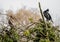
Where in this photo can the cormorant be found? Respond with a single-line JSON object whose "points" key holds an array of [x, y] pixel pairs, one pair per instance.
{"points": [[47, 15]]}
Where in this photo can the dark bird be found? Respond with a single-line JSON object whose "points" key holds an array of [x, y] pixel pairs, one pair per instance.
{"points": [[47, 15], [8, 32]]}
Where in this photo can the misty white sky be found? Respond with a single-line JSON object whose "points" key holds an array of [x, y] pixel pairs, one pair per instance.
{"points": [[53, 5]]}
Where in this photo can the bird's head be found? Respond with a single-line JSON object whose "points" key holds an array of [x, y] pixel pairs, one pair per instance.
{"points": [[47, 10]]}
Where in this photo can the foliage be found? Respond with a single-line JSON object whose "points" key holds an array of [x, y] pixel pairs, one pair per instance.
{"points": [[43, 34], [9, 36], [38, 33]]}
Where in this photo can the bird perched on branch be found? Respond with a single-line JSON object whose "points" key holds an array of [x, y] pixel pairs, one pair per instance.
{"points": [[47, 15]]}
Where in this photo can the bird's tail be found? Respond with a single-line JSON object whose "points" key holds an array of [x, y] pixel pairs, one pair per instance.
{"points": [[51, 20]]}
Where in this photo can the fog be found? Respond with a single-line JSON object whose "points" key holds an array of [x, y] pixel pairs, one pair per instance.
{"points": [[53, 5]]}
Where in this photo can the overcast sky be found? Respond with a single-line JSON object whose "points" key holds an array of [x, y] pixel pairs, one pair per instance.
{"points": [[53, 5]]}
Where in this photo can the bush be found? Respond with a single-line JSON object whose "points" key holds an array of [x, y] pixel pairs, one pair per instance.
{"points": [[38, 33], [42, 33], [9, 36]]}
